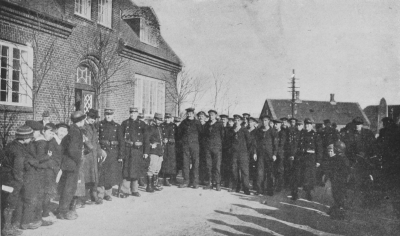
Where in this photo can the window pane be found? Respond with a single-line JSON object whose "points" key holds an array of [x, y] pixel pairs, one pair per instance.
{"points": [[15, 76], [3, 85], [16, 53], [15, 97], [4, 51], [3, 73], [15, 86], [3, 96], [16, 64], [3, 62]]}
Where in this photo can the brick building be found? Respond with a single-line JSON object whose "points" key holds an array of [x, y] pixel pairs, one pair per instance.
{"points": [[66, 55], [339, 112]]}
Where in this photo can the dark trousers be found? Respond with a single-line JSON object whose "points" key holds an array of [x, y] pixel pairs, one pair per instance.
{"points": [[288, 171], [191, 156], [202, 164], [91, 188], [213, 158], [308, 171], [225, 166], [295, 176], [30, 197], [339, 192], [264, 174], [67, 188], [278, 172], [240, 163], [41, 195]]}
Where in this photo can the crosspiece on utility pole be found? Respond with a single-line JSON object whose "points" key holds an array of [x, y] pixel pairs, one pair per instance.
{"points": [[293, 91]]}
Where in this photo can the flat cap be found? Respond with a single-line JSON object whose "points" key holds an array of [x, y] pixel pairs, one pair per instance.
{"points": [[201, 113], [93, 113], [213, 111], [46, 114], [24, 132], [253, 119], [77, 116], [133, 109], [245, 114], [109, 111], [284, 119], [292, 118], [327, 121], [299, 122], [177, 119], [140, 116], [158, 116], [190, 109], [35, 125], [277, 121], [237, 116], [62, 125], [168, 115], [223, 116], [265, 117], [358, 121], [308, 121]]}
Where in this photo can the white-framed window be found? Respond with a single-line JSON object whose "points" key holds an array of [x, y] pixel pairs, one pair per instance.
{"points": [[16, 75], [83, 75], [149, 95], [148, 34], [83, 8], [105, 12]]}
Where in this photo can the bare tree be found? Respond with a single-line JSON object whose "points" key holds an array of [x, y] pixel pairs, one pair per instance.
{"points": [[101, 54], [188, 88], [62, 104], [220, 91], [9, 118]]}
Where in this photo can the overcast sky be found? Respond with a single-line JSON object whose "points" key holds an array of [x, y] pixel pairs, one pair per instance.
{"points": [[347, 47]]}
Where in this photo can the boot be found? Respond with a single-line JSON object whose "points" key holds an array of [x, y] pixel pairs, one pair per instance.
{"points": [[149, 187], [8, 229], [308, 195], [155, 186], [218, 187], [72, 205], [208, 186], [141, 182], [166, 182]]}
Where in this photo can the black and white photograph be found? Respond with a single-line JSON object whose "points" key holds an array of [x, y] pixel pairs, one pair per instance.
{"points": [[200, 117]]}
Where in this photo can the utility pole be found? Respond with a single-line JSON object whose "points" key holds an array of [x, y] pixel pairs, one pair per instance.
{"points": [[293, 91]]}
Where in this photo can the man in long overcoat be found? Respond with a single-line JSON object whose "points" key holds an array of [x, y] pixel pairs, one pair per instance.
{"points": [[111, 141], [134, 133], [169, 160]]}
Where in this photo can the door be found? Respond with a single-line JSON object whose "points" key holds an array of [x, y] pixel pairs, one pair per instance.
{"points": [[87, 101]]}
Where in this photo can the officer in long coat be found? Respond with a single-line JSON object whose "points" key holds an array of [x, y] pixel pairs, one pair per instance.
{"points": [[311, 153], [134, 133], [190, 130], [178, 148], [295, 156], [214, 136], [225, 165], [240, 140], [280, 139], [111, 141], [290, 149], [169, 159], [90, 167]]}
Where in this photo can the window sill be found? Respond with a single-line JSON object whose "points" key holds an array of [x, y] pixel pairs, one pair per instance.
{"points": [[105, 26], [81, 17], [13, 108]]}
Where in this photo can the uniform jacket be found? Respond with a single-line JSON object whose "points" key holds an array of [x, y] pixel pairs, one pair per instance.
{"points": [[155, 136], [190, 131], [388, 142], [266, 143], [329, 135], [292, 142], [310, 143], [90, 168], [134, 131], [214, 134], [73, 148], [360, 142], [169, 161], [280, 140], [240, 140], [12, 171]]}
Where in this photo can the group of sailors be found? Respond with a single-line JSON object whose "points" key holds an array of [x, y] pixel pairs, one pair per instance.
{"points": [[81, 162]]}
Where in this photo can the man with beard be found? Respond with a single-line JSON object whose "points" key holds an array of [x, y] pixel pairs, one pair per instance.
{"points": [[111, 141], [134, 132]]}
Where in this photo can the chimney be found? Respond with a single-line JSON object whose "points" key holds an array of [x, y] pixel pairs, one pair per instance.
{"points": [[297, 98], [332, 101]]}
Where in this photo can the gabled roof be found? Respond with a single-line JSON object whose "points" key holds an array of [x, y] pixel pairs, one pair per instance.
{"points": [[147, 13], [341, 113]]}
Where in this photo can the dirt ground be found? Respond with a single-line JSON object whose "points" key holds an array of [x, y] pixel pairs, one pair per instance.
{"points": [[198, 212]]}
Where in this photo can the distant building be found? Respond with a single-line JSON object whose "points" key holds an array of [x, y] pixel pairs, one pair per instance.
{"points": [[375, 114], [340, 113]]}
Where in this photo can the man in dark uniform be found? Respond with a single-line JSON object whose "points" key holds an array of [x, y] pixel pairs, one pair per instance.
{"points": [[245, 122], [112, 142], [289, 150], [202, 154], [295, 158], [225, 165], [253, 163], [293, 122], [134, 133], [214, 134], [141, 179], [12, 175], [361, 147], [240, 144], [178, 148], [190, 130], [280, 139], [265, 156], [311, 150], [329, 135], [169, 159]]}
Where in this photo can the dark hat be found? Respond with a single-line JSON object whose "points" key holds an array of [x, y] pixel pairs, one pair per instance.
{"points": [[330, 147], [327, 121], [109, 111], [24, 132], [50, 126], [133, 109], [62, 125], [230, 119], [177, 119], [93, 113], [292, 118], [387, 119], [284, 119], [213, 111], [77, 116], [277, 121], [253, 119], [237, 116], [46, 114], [201, 113], [140, 116], [158, 116], [245, 114], [358, 121], [299, 122], [265, 116], [223, 116], [190, 109], [168, 115], [35, 125], [308, 121]]}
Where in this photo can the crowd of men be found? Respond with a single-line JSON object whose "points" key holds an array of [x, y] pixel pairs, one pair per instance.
{"points": [[81, 162]]}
